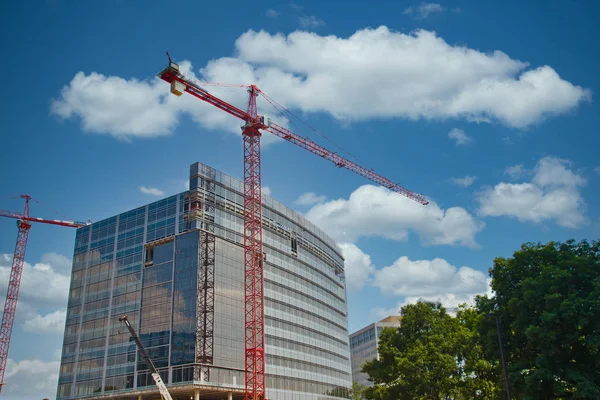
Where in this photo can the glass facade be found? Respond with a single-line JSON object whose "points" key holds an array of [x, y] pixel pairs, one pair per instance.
{"points": [[154, 264], [364, 344]]}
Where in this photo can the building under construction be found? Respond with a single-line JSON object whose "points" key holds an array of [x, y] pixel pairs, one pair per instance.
{"points": [[176, 269]]}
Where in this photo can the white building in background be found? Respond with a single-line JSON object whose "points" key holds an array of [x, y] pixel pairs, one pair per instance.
{"points": [[364, 344]]}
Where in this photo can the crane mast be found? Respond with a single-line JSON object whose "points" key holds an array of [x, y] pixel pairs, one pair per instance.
{"points": [[253, 256], [162, 388], [12, 294]]}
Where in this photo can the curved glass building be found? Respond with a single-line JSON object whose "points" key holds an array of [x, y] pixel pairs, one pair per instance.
{"points": [[175, 267]]}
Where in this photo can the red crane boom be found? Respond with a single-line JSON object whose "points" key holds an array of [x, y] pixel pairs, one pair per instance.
{"points": [[12, 294], [253, 255]]}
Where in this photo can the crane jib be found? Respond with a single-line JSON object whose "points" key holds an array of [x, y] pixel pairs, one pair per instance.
{"points": [[253, 268]]}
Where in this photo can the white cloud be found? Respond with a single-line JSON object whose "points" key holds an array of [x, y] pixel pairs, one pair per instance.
{"points": [[450, 301], [58, 262], [127, 108], [43, 285], [459, 136], [121, 107], [31, 379], [296, 6], [55, 284], [58, 353], [515, 171], [272, 13], [310, 198], [151, 191], [553, 194], [266, 190], [310, 21], [376, 211], [429, 280], [357, 266], [50, 323], [424, 9], [464, 181], [597, 170], [413, 76]]}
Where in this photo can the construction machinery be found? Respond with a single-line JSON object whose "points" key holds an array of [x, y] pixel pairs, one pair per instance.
{"points": [[253, 251], [162, 388], [12, 294]]}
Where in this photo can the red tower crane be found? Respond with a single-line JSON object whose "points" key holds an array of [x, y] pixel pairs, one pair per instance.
{"points": [[253, 253], [12, 294]]}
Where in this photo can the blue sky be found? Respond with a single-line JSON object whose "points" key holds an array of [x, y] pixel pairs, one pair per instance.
{"points": [[486, 108]]}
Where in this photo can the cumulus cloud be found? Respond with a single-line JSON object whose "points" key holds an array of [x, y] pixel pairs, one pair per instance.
{"points": [[151, 191], [459, 136], [553, 194], [465, 181], [357, 266], [296, 6], [450, 301], [413, 76], [376, 211], [310, 22], [55, 284], [423, 10], [515, 171], [122, 107], [406, 277], [310, 198], [59, 263], [417, 75], [434, 280], [44, 285], [272, 13], [53, 322], [31, 379], [128, 108]]}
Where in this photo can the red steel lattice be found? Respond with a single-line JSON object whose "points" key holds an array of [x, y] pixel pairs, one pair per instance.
{"points": [[253, 254], [12, 294]]}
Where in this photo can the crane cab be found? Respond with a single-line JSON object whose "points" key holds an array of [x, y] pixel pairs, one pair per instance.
{"points": [[265, 122], [173, 67]]}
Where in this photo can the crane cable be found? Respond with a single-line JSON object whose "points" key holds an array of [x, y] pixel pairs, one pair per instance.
{"points": [[275, 104]]}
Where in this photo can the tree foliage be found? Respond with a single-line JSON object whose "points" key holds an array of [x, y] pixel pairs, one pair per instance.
{"points": [[548, 300], [357, 391], [431, 356]]}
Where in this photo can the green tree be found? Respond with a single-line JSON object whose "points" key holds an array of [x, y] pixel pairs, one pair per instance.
{"points": [[357, 391], [431, 356], [548, 300]]}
